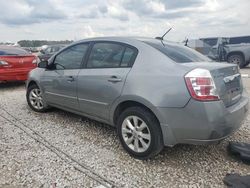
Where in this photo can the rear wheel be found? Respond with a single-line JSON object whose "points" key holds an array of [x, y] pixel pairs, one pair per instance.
{"points": [[140, 133], [237, 59], [35, 99]]}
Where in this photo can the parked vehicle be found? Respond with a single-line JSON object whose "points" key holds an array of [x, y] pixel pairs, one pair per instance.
{"points": [[46, 53], [31, 49], [155, 92], [234, 50], [15, 63]]}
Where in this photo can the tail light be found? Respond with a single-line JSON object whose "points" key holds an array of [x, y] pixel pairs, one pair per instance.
{"points": [[201, 85]]}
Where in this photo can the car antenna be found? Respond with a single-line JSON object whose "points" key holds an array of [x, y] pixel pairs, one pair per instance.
{"points": [[186, 41], [161, 38]]}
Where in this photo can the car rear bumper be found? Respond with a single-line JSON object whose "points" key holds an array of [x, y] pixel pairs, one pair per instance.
{"points": [[202, 122], [14, 75]]}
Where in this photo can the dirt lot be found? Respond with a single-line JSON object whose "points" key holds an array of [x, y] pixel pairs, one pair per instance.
{"points": [[60, 149]]}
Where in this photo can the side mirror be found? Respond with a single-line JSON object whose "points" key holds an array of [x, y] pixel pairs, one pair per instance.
{"points": [[43, 64]]}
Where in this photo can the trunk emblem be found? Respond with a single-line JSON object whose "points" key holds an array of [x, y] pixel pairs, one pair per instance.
{"points": [[21, 61], [230, 78]]}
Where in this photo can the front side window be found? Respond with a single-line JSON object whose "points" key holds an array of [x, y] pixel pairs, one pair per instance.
{"points": [[48, 50], [54, 49], [72, 57]]}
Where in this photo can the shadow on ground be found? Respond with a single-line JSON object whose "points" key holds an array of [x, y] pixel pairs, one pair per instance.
{"points": [[11, 85]]}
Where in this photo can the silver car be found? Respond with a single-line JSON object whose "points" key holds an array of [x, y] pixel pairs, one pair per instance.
{"points": [[156, 93]]}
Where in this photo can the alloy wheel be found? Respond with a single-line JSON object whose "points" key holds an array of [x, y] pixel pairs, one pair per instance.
{"points": [[36, 99], [136, 134]]}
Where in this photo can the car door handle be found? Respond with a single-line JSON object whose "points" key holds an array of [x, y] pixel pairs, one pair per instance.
{"points": [[70, 79], [114, 79]]}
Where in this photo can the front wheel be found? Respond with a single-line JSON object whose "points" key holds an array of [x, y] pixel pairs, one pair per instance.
{"points": [[35, 99], [140, 133]]}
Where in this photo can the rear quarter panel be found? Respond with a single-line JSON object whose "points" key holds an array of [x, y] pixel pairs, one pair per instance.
{"points": [[157, 79]]}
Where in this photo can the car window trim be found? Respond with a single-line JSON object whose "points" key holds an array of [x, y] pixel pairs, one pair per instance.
{"points": [[114, 42]]}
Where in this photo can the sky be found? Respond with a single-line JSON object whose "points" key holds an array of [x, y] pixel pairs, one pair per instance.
{"points": [[79, 19]]}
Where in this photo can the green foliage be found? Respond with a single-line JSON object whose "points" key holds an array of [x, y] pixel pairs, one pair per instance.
{"points": [[38, 43]]}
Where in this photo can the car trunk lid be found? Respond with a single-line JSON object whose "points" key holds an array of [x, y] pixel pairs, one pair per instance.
{"points": [[18, 61]]}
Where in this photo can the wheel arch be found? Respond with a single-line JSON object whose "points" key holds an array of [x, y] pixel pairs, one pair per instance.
{"points": [[126, 102], [31, 82], [236, 53]]}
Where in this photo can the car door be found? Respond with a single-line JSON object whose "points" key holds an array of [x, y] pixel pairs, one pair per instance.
{"points": [[102, 79], [59, 81]]}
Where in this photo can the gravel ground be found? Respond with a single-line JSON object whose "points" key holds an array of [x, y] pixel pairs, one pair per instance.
{"points": [[67, 150]]}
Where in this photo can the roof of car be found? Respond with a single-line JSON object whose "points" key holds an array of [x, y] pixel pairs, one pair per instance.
{"points": [[55, 45], [12, 50], [127, 39]]}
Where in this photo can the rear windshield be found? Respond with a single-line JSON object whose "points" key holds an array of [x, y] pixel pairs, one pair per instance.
{"points": [[178, 53], [12, 51]]}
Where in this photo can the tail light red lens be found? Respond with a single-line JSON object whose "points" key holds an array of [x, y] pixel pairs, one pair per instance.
{"points": [[201, 86]]}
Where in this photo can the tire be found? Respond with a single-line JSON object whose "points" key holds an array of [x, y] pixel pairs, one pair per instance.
{"points": [[145, 141], [237, 59], [247, 64], [35, 99]]}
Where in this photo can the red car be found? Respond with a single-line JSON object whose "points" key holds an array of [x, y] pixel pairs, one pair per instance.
{"points": [[15, 63]]}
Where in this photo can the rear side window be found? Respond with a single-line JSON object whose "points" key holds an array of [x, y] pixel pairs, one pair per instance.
{"points": [[238, 40], [128, 57], [178, 53], [111, 55], [210, 42]]}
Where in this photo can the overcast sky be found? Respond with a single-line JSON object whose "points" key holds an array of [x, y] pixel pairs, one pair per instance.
{"points": [[77, 19]]}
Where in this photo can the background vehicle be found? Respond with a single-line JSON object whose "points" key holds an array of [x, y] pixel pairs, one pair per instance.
{"points": [[15, 63], [47, 52], [30, 49], [155, 92], [233, 50]]}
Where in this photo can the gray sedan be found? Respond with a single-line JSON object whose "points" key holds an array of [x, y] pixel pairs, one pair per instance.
{"points": [[156, 93]]}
